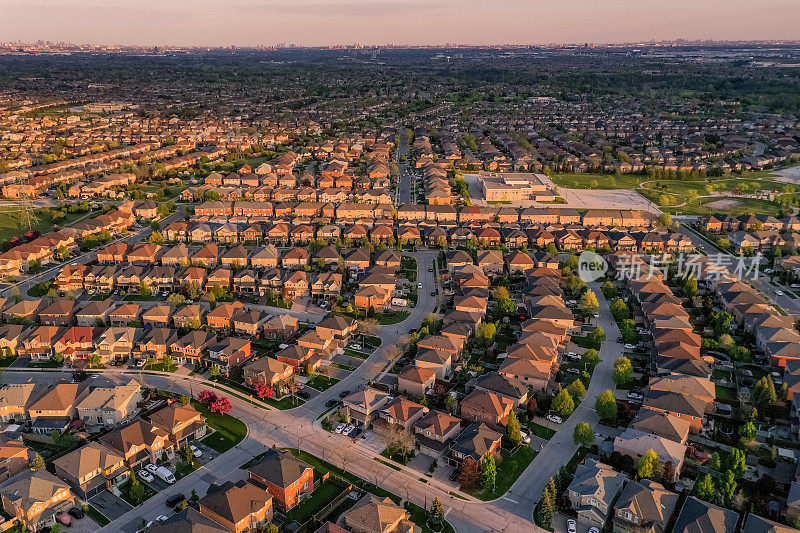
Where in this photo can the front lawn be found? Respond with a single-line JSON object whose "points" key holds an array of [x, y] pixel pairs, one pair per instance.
{"points": [[420, 517], [398, 457], [97, 516], [184, 469], [321, 383], [229, 431], [46, 364], [6, 361], [125, 489], [726, 394], [509, 469], [310, 506], [286, 402], [541, 431]]}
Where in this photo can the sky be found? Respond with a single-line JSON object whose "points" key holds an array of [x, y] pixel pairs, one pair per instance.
{"points": [[380, 22]]}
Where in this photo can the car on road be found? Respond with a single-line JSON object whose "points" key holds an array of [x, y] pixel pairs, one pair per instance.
{"points": [[339, 428], [778, 293], [554, 419], [430, 270], [419, 285], [630, 346], [76, 512], [635, 396], [331, 402], [162, 518], [197, 452], [572, 526], [433, 293], [593, 530], [145, 475], [344, 393], [172, 501], [64, 518], [769, 271]]}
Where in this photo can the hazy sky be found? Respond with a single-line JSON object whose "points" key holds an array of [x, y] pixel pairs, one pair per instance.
{"points": [[322, 22]]}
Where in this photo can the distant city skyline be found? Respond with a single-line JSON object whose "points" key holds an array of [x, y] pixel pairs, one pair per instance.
{"points": [[381, 22]]}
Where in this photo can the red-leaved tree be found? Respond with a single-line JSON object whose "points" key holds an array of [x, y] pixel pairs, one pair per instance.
{"points": [[221, 405], [264, 391], [207, 397]]}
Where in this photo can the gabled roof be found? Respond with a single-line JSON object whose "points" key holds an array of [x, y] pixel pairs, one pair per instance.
{"points": [[280, 468]]}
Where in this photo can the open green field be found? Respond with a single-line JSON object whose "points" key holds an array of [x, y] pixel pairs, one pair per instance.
{"points": [[13, 221]]}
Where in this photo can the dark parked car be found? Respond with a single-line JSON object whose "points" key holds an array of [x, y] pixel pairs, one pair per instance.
{"points": [[344, 393], [303, 394], [76, 512], [454, 475], [172, 501], [331, 403]]}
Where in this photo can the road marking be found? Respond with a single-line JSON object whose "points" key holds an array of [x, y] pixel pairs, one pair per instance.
{"points": [[447, 511], [509, 499]]}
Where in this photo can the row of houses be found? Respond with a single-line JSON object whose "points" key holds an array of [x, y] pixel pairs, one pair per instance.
{"points": [[723, 222]]}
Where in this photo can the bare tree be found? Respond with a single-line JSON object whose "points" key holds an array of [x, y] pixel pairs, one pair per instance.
{"points": [[401, 441]]}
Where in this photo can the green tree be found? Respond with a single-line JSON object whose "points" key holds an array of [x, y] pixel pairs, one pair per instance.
{"points": [[513, 433], [572, 262], [722, 323], [563, 404], [583, 435], [95, 360], [606, 406], [271, 528], [714, 462], [589, 303], [727, 486], [737, 463], [665, 219], [691, 286], [213, 371], [144, 289], [619, 309], [590, 358], [747, 431], [576, 390], [37, 463], [597, 336], [763, 395], [486, 332], [622, 373], [507, 306], [547, 505], [608, 289], [648, 465], [450, 404], [488, 472], [705, 488], [437, 512]]}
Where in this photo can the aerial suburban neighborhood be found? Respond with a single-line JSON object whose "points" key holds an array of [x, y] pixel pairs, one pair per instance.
{"points": [[398, 288]]}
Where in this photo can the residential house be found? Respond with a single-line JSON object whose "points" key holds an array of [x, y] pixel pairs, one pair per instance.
{"points": [[475, 442], [238, 507], [35, 497], [91, 469], [593, 491], [283, 476]]}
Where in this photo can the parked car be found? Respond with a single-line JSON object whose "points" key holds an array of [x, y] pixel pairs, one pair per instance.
{"points": [[303, 394], [145, 475], [573, 371], [339, 428], [524, 437], [635, 396], [331, 403], [165, 474], [554, 419], [162, 518], [779, 293], [344, 393], [348, 430], [593, 530], [76, 512], [453, 475], [572, 526], [64, 518], [151, 468], [629, 346], [196, 451], [172, 501], [573, 355]]}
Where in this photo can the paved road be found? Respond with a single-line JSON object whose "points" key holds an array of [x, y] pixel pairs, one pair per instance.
{"points": [[527, 490], [405, 180], [761, 281]]}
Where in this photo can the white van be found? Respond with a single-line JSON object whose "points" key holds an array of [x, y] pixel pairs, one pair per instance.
{"points": [[164, 473]]}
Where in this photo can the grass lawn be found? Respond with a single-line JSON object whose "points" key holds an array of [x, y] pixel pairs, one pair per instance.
{"points": [[420, 517], [508, 471], [160, 367], [353, 353], [604, 181], [46, 364], [6, 361], [12, 219], [726, 394], [229, 430], [286, 402], [321, 382], [184, 469], [391, 453], [125, 487], [541, 431], [717, 374], [97, 516], [310, 506]]}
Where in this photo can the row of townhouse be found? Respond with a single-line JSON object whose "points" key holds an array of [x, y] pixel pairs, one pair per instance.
{"points": [[290, 282], [444, 214], [718, 223], [158, 336]]}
